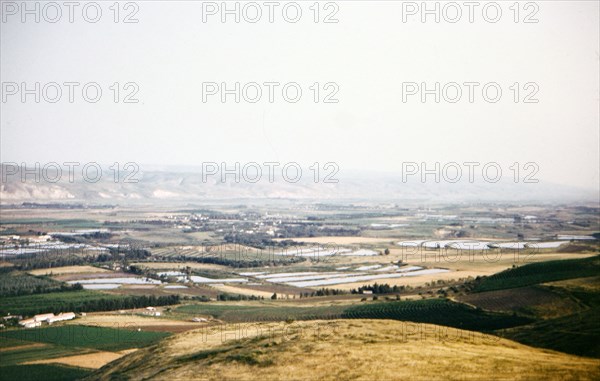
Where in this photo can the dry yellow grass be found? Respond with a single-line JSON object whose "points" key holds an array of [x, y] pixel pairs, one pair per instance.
{"points": [[242, 291], [412, 281], [24, 346], [345, 350], [69, 270], [94, 360], [116, 320], [590, 284]]}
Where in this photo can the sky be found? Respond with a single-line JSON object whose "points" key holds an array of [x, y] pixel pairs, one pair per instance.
{"points": [[369, 58]]}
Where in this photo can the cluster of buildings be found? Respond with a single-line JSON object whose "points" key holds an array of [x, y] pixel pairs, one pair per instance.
{"points": [[49, 318]]}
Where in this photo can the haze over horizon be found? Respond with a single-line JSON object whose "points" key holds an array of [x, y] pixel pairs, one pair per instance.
{"points": [[368, 54]]}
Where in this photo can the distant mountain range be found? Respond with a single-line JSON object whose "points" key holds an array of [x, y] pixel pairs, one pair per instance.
{"points": [[176, 186]]}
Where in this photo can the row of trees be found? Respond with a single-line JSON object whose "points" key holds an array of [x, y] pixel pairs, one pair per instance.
{"points": [[238, 297], [238, 263], [323, 292], [383, 288], [105, 304]]}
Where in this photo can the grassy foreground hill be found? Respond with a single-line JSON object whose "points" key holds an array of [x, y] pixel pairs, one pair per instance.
{"points": [[343, 350]]}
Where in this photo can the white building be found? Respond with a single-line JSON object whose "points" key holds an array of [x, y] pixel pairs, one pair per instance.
{"points": [[37, 320], [43, 317], [61, 317], [30, 323]]}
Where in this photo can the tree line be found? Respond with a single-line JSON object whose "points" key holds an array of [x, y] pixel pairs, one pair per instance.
{"points": [[383, 288], [104, 304], [323, 292]]}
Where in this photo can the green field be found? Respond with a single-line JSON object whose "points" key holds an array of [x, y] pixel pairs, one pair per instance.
{"points": [[538, 302], [41, 372], [108, 339], [259, 312], [578, 333], [543, 272], [565, 318], [50, 302], [55, 301], [77, 301], [435, 311], [5, 342], [18, 356], [61, 341], [17, 283]]}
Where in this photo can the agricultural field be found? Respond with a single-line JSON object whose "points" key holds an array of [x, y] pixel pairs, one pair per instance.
{"points": [[42, 372], [59, 301], [577, 333], [26, 351], [77, 301], [181, 291], [17, 283], [94, 360], [532, 300], [549, 271], [256, 312], [70, 350], [563, 312], [211, 279], [245, 291], [101, 338], [435, 311], [589, 283], [68, 270], [137, 319]]}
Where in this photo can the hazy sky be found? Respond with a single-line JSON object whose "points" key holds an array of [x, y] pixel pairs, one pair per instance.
{"points": [[369, 53]]}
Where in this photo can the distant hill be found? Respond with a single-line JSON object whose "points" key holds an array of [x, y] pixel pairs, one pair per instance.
{"points": [[188, 185], [343, 350]]}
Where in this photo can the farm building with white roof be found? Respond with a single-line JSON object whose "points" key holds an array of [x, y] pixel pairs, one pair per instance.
{"points": [[43, 317], [62, 317]]}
